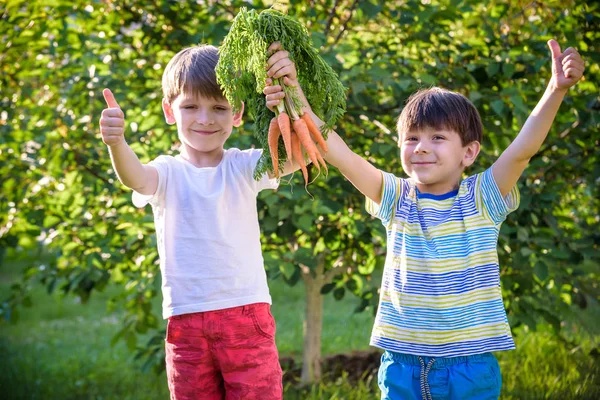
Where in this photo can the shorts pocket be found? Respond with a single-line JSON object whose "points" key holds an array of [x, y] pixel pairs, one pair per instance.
{"points": [[263, 320], [169, 329], [179, 328], [475, 380]]}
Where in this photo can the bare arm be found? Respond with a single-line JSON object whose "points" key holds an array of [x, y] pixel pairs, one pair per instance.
{"points": [[279, 67], [567, 69], [362, 174], [130, 171]]}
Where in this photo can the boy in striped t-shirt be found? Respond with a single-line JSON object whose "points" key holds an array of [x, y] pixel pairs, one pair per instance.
{"points": [[441, 312]]}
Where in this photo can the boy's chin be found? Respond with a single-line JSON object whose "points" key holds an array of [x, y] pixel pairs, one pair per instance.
{"points": [[425, 180], [429, 182]]}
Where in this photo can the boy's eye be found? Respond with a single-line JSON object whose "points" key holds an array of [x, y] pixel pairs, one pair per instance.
{"points": [[220, 108], [438, 137], [411, 139], [189, 107]]}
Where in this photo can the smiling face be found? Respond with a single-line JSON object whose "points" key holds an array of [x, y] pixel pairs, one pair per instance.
{"points": [[440, 131], [435, 159], [203, 125], [193, 100]]}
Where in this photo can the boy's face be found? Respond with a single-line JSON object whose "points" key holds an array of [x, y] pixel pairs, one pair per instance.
{"points": [[436, 159], [203, 123]]}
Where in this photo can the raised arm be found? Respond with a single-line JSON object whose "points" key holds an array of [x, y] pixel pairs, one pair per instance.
{"points": [[567, 69], [130, 171], [362, 174]]}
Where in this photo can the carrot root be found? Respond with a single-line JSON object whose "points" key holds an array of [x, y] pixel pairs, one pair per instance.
{"points": [[273, 139], [315, 132], [284, 126], [299, 157], [305, 139]]}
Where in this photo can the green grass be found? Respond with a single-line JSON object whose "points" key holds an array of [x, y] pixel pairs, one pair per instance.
{"points": [[61, 349], [544, 368]]}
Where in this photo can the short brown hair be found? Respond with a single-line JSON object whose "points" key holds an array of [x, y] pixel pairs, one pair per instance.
{"points": [[439, 108], [192, 71]]}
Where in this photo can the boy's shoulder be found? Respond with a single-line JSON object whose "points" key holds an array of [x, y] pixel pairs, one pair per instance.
{"points": [[235, 152], [238, 156], [232, 156], [477, 180], [470, 185], [470, 180], [165, 158]]}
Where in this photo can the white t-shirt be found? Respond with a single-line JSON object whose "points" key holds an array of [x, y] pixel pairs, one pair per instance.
{"points": [[207, 232]]}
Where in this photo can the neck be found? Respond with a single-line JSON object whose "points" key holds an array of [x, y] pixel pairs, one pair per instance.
{"points": [[437, 188], [202, 159], [441, 187]]}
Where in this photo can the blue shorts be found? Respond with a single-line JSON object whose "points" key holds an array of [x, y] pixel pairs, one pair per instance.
{"points": [[408, 377]]}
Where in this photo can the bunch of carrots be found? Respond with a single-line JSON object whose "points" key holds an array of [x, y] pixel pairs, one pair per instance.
{"points": [[296, 134], [241, 74]]}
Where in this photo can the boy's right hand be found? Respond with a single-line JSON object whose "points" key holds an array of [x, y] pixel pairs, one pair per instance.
{"points": [[112, 122], [279, 66]]}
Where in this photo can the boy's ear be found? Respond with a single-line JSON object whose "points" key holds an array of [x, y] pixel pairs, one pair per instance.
{"points": [[471, 153], [237, 117], [168, 110]]}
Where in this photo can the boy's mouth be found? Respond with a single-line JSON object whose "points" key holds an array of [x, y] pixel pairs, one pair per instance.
{"points": [[204, 132]]}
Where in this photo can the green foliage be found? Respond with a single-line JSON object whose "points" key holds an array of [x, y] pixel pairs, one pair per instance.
{"points": [[60, 200], [61, 350], [241, 72], [543, 367]]}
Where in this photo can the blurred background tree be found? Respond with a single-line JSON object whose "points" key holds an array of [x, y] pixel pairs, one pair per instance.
{"points": [[62, 206]]}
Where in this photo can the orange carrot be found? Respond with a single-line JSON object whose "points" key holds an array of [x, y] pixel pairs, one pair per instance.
{"points": [[299, 157], [310, 147], [323, 163], [315, 132], [273, 139], [284, 127]]}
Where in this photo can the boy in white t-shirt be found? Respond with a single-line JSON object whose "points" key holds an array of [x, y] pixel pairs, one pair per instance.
{"points": [[220, 335]]}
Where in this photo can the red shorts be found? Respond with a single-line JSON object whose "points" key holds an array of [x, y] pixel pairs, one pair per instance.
{"points": [[224, 354]]}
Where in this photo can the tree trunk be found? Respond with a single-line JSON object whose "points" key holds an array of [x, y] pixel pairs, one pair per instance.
{"points": [[313, 323]]}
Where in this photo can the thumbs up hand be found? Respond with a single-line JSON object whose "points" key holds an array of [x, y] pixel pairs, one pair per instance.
{"points": [[567, 67], [112, 122]]}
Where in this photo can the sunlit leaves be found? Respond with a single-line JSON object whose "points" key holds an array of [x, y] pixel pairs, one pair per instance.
{"points": [[58, 191]]}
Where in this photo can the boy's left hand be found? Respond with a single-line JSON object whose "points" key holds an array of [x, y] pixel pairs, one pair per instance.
{"points": [[567, 67], [279, 66]]}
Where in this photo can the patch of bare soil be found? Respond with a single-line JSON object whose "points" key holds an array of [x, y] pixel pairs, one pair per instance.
{"points": [[357, 365]]}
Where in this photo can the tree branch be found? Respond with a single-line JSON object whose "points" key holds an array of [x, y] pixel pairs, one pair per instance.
{"points": [[330, 18], [79, 158], [335, 269], [225, 8], [345, 25], [522, 12]]}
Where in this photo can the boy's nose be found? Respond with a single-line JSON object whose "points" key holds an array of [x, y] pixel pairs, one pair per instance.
{"points": [[204, 118], [421, 148]]}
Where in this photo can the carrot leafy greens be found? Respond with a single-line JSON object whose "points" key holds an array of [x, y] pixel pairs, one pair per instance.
{"points": [[241, 73]]}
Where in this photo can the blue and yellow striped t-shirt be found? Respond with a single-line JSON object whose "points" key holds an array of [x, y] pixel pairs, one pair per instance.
{"points": [[440, 293]]}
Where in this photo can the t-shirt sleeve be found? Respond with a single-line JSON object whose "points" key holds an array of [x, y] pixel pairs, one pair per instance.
{"points": [[489, 199], [161, 164], [248, 160], [391, 192]]}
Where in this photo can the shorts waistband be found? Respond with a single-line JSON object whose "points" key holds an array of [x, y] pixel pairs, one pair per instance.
{"points": [[440, 362], [245, 309]]}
